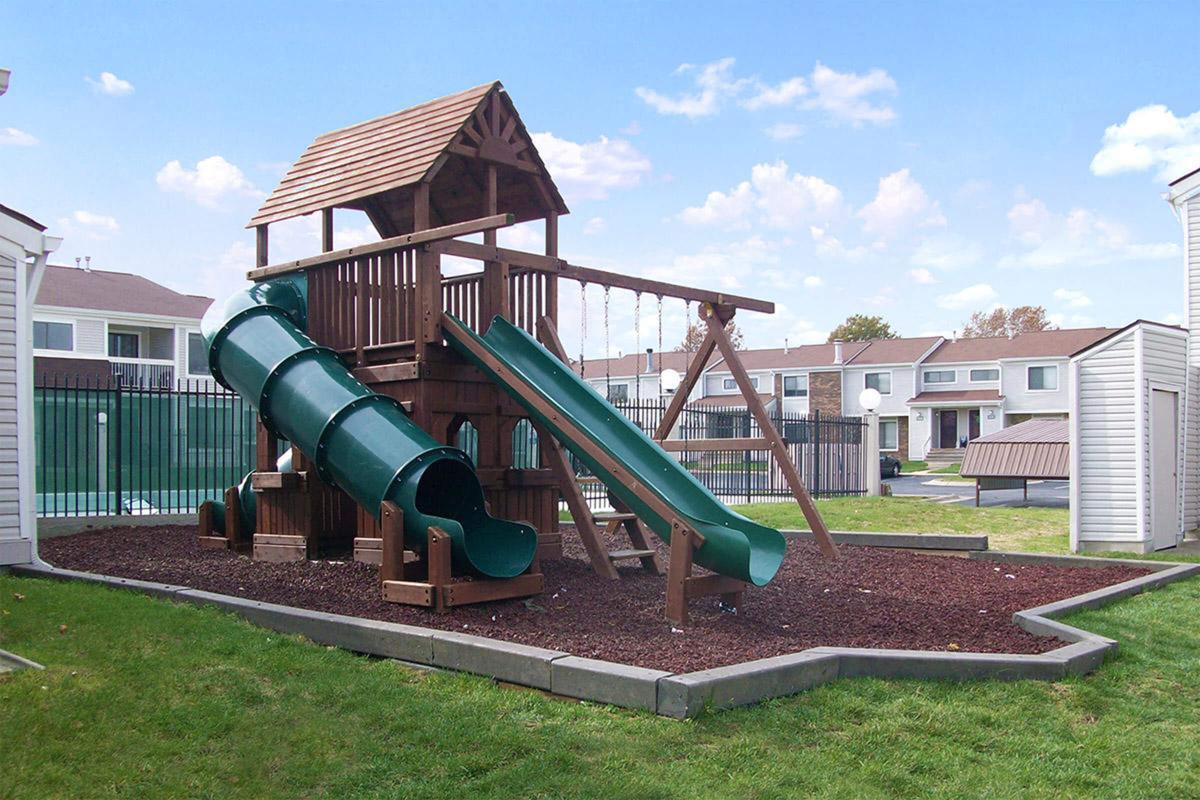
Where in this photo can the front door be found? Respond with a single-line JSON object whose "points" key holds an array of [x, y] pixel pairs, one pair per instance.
{"points": [[1164, 482], [947, 429], [973, 424]]}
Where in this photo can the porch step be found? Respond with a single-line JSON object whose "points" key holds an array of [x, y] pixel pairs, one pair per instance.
{"points": [[622, 555]]}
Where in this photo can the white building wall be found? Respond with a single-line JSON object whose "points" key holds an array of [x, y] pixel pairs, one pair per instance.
{"points": [[90, 337], [1190, 214], [892, 405], [1018, 399], [1106, 465], [10, 504]]}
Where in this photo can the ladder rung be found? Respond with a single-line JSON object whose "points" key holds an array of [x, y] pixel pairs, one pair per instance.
{"points": [[610, 516], [619, 555]]}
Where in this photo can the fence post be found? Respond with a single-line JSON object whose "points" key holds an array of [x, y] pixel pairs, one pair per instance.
{"points": [[816, 438], [102, 453], [117, 426]]}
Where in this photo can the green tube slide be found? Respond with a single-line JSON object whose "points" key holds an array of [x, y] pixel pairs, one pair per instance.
{"points": [[359, 441], [734, 546]]}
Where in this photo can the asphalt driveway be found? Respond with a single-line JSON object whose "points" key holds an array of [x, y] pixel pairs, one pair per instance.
{"points": [[1043, 494]]}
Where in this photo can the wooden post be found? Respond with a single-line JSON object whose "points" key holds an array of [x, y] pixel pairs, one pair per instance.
{"points": [[233, 519], [490, 201], [260, 246], [551, 309], [679, 569], [391, 567], [327, 230], [716, 328], [266, 446], [437, 554]]}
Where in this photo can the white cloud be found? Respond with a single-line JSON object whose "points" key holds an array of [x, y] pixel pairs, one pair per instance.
{"points": [[589, 171], [1171, 318], [1078, 238], [209, 183], [946, 252], [527, 236], [729, 266], [89, 225], [1072, 298], [728, 210], [900, 205], [976, 295], [632, 129], [885, 296], [813, 281], [714, 85], [829, 246], [782, 131], [14, 137], [788, 200], [922, 276], [1150, 137], [842, 96], [110, 84], [594, 226], [846, 96], [782, 94], [226, 273]]}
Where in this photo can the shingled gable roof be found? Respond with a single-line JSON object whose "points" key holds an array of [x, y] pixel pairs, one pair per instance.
{"points": [[1036, 344], [118, 292], [362, 166], [893, 351]]}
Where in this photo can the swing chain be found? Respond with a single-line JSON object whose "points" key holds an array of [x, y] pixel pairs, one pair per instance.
{"points": [[637, 337], [582, 326], [607, 353]]}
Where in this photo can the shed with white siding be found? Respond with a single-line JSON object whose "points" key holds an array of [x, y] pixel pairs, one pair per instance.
{"points": [[24, 247], [1127, 401]]}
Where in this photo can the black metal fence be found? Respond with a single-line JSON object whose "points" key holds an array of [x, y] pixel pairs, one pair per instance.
{"points": [[107, 448], [828, 451]]}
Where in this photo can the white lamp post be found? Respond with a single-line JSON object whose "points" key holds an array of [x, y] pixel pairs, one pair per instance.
{"points": [[870, 399]]}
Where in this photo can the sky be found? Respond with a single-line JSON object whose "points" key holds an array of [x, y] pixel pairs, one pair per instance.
{"points": [[920, 161]]}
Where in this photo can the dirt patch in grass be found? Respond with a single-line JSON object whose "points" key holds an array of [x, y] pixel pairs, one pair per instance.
{"points": [[866, 598]]}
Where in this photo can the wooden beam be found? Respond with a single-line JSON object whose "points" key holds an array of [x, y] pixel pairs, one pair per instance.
{"points": [[481, 252], [714, 445], [394, 243], [690, 376], [391, 518], [619, 281], [490, 200], [716, 329]]}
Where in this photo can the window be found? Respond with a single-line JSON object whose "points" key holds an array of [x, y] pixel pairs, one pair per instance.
{"points": [[879, 381], [730, 385], [940, 376], [122, 345], [1042, 379], [53, 336], [795, 386], [888, 434], [197, 355], [618, 393], [984, 375]]}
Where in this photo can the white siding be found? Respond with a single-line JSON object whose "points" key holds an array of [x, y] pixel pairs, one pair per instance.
{"points": [[89, 337], [1163, 363], [892, 405], [9, 496], [1105, 493], [1191, 472], [1018, 399]]}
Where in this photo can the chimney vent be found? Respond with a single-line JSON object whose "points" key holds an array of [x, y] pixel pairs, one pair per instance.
{"points": [[649, 359], [785, 346], [837, 351], [77, 260], [87, 263]]}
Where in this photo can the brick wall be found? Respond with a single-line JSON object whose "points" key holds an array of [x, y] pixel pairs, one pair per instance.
{"points": [[825, 393]]}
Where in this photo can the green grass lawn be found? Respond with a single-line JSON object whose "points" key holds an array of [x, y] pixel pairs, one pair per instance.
{"points": [[913, 466], [147, 699]]}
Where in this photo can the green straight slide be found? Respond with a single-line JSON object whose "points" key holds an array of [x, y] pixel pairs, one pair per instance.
{"points": [[359, 441], [734, 546]]}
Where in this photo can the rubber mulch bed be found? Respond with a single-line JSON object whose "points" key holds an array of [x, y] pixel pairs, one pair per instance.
{"points": [[868, 597]]}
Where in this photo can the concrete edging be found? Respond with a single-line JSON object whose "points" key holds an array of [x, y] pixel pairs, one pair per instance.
{"points": [[686, 695]]}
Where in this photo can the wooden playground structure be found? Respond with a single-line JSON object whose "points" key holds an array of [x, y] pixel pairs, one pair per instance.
{"points": [[458, 166]]}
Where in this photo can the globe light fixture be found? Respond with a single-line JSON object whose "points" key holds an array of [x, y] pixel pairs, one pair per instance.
{"points": [[669, 380], [870, 399]]}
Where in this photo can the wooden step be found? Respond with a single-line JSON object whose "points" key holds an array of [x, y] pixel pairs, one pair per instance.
{"points": [[610, 516], [621, 555]]}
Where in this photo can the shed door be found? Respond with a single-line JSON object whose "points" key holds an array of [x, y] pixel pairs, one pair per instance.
{"points": [[1164, 486]]}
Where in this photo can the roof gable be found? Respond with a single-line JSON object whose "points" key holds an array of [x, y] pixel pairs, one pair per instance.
{"points": [[373, 166], [117, 292], [1036, 344]]}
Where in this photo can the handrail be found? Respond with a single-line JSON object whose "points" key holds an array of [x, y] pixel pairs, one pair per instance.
{"points": [[394, 243]]}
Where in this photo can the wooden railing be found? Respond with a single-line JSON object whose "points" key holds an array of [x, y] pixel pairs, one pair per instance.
{"points": [[461, 297], [527, 298], [364, 302]]}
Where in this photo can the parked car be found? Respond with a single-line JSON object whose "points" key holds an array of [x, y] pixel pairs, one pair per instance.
{"points": [[889, 466]]}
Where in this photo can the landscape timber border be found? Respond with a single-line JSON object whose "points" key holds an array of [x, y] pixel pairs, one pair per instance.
{"points": [[685, 695]]}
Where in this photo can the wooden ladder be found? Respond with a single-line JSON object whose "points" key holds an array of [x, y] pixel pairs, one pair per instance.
{"points": [[642, 549]]}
